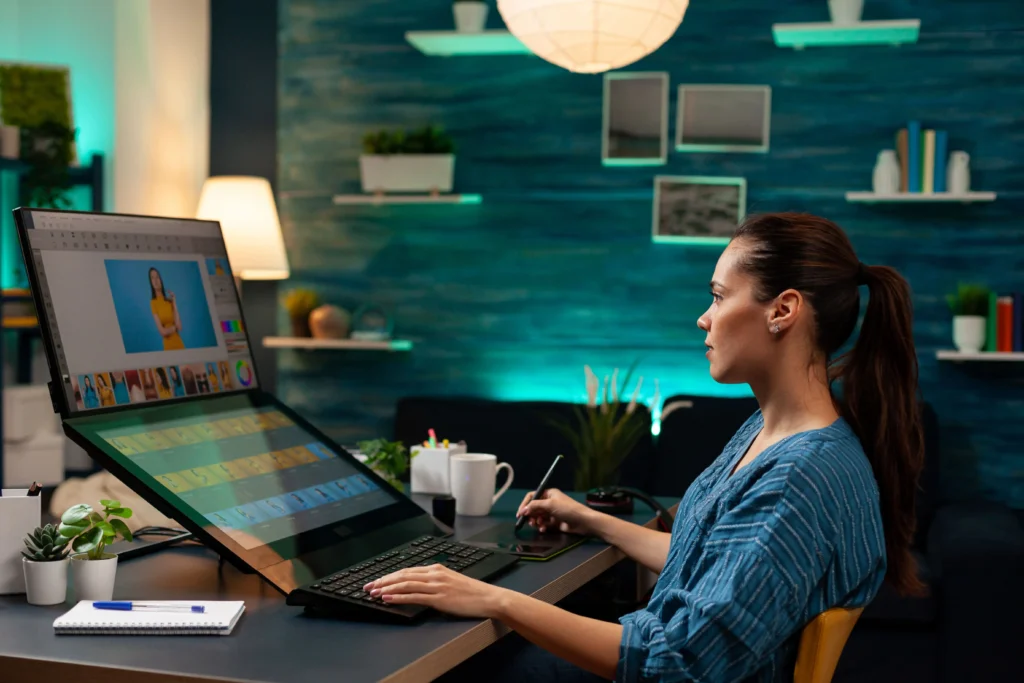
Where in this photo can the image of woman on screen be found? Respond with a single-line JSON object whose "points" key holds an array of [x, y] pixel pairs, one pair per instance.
{"points": [[106, 393], [120, 388], [225, 376], [89, 393], [165, 312], [177, 386], [163, 387]]}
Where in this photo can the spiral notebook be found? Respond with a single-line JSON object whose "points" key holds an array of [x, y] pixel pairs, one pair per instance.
{"points": [[219, 619]]}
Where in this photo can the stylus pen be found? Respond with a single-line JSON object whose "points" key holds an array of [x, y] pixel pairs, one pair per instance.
{"points": [[521, 520], [126, 606]]}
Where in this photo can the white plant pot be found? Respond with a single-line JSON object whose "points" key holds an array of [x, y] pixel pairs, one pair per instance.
{"points": [[407, 172], [845, 12], [94, 579], [969, 333], [10, 142], [470, 16], [46, 583]]}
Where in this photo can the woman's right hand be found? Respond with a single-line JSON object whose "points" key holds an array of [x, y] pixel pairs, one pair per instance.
{"points": [[557, 511]]}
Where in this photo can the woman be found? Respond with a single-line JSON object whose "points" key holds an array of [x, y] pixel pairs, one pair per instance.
{"points": [[106, 393], [163, 386], [808, 507], [176, 384], [211, 374], [120, 388], [89, 393], [165, 312]]}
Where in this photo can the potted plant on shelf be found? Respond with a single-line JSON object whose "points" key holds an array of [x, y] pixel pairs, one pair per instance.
{"points": [[970, 314], [420, 160], [389, 459], [300, 303], [45, 564], [470, 15], [605, 431], [93, 570]]}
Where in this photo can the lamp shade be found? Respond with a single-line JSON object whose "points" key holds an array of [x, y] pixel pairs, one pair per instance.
{"points": [[591, 36], [245, 207]]}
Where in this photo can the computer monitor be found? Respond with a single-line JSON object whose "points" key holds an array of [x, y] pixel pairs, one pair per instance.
{"points": [[152, 372], [140, 310]]}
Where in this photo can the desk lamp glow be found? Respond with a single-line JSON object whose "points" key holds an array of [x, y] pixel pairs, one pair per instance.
{"points": [[245, 207]]}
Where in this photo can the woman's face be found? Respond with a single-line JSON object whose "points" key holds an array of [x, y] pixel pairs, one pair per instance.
{"points": [[154, 279], [88, 382], [737, 335], [174, 375]]}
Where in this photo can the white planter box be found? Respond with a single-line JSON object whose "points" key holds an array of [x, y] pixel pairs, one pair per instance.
{"points": [[28, 412], [407, 172], [40, 458]]}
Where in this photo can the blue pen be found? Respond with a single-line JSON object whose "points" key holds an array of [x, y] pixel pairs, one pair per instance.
{"points": [[128, 606]]}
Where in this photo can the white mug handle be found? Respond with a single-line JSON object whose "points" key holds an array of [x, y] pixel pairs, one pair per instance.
{"points": [[508, 482]]}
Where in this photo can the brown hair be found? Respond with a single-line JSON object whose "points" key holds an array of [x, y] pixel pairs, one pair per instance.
{"points": [[879, 373]]}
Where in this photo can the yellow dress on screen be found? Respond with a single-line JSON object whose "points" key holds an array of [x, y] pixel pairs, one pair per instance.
{"points": [[164, 311], [160, 391], [106, 396]]}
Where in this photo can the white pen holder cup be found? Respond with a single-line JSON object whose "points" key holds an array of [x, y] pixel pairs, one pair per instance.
{"points": [[474, 476], [20, 513], [431, 469]]}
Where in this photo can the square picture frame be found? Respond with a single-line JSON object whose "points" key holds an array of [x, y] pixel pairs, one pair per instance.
{"points": [[723, 118], [634, 122], [697, 209]]}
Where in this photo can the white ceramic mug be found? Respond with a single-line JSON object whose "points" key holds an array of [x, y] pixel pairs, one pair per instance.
{"points": [[473, 477]]}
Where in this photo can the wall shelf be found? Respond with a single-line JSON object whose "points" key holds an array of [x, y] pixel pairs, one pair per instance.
{"points": [[959, 357], [88, 175], [407, 199], [826, 33], [453, 43], [920, 197], [311, 344]]}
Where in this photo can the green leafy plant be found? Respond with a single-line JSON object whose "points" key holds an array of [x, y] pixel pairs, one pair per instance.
{"points": [[301, 302], [605, 431], [46, 149], [969, 300], [90, 532], [32, 95], [389, 458], [428, 139], [45, 544]]}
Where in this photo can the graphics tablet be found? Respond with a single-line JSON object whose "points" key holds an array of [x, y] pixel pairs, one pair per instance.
{"points": [[528, 544]]}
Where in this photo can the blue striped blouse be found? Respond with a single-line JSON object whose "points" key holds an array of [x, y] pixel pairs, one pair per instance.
{"points": [[755, 556]]}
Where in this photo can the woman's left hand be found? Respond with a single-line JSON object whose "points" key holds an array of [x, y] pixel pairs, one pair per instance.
{"points": [[438, 587]]}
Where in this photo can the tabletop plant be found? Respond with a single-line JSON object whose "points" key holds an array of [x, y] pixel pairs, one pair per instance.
{"points": [[604, 431], [90, 531], [300, 303], [429, 139], [45, 544], [390, 459], [969, 299]]}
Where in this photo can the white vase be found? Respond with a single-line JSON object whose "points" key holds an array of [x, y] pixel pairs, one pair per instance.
{"points": [[845, 12], [93, 579], [407, 172], [46, 583], [470, 15], [958, 173], [886, 177], [969, 333], [10, 142]]}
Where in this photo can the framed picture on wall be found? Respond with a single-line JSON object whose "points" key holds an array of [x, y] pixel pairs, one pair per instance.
{"points": [[723, 118], [697, 209], [36, 94], [634, 131]]}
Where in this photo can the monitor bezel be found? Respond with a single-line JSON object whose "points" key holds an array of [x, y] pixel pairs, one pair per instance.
{"points": [[57, 393]]}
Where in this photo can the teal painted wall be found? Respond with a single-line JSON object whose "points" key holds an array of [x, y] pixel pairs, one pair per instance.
{"points": [[79, 35], [556, 269]]}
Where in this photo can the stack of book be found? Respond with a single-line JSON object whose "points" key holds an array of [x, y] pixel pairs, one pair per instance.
{"points": [[1005, 331], [922, 154]]}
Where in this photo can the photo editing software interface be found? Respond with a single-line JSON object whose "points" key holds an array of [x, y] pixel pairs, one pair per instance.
{"points": [[251, 472], [141, 310]]}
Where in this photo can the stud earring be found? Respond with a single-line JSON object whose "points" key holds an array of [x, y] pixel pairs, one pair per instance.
{"points": [[775, 328]]}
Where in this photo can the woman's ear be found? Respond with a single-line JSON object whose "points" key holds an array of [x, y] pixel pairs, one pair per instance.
{"points": [[783, 311]]}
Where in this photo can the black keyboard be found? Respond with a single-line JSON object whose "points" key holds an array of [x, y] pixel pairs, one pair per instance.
{"points": [[341, 593]]}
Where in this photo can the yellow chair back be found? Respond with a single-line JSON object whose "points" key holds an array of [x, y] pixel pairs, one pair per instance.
{"points": [[822, 642]]}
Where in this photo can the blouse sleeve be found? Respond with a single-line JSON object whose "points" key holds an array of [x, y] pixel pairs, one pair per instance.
{"points": [[758, 567]]}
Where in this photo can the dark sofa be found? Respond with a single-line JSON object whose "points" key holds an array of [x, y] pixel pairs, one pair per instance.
{"points": [[971, 555]]}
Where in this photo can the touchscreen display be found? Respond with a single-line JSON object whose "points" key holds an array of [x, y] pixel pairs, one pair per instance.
{"points": [[250, 471]]}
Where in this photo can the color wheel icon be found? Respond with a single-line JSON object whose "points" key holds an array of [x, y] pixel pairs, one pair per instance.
{"points": [[244, 372]]}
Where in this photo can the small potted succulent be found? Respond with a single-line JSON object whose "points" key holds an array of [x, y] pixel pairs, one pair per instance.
{"points": [[93, 570], [969, 307], [300, 303], [45, 564], [420, 160], [470, 15], [389, 459]]}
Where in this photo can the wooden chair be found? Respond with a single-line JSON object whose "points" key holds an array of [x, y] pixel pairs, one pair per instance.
{"points": [[821, 644]]}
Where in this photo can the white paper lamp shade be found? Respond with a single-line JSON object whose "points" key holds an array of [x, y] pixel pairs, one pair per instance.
{"points": [[591, 36], [245, 207]]}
